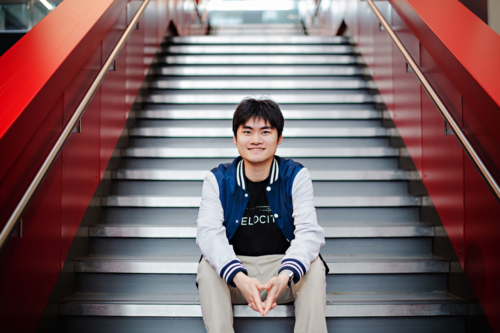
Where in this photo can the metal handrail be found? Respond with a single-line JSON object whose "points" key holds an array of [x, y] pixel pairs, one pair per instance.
{"points": [[469, 149], [63, 137]]}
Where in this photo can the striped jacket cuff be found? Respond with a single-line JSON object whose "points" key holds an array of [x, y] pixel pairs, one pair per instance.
{"points": [[230, 270], [295, 266]]}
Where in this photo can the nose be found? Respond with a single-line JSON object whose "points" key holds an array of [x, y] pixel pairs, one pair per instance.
{"points": [[256, 138]]}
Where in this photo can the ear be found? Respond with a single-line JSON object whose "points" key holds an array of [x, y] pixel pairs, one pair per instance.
{"points": [[234, 139], [280, 139]]}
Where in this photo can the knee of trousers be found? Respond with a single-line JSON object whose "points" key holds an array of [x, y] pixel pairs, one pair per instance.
{"points": [[206, 275], [315, 278]]}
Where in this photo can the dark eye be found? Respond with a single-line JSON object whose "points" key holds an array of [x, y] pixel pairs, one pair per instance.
{"points": [[246, 132]]}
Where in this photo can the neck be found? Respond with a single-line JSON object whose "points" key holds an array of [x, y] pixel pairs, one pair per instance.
{"points": [[257, 172]]}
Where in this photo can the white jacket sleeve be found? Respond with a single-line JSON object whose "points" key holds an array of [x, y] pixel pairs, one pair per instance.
{"points": [[211, 234], [309, 236]]}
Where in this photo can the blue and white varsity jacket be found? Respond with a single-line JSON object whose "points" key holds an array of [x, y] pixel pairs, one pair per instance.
{"points": [[223, 203]]}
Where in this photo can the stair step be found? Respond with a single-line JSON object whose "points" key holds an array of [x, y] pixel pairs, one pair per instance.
{"points": [[221, 97], [258, 49], [427, 324], [187, 306], [322, 168], [258, 60], [284, 152], [227, 132], [220, 112], [348, 230], [316, 175], [148, 247], [189, 265], [157, 201], [279, 40], [174, 216], [257, 32], [271, 84], [281, 70]]}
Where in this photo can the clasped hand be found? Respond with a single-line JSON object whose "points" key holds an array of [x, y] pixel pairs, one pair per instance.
{"points": [[251, 288]]}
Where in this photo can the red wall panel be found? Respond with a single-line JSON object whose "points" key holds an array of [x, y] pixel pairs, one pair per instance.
{"points": [[443, 155], [407, 114], [482, 253], [27, 277], [81, 155]]}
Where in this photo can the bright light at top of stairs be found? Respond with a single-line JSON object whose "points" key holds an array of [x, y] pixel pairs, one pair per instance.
{"points": [[221, 5], [47, 4]]}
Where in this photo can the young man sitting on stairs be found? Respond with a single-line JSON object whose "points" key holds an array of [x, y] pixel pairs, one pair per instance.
{"points": [[257, 229]]}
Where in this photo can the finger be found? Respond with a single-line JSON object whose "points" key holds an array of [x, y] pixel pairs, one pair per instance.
{"points": [[271, 299], [258, 301], [274, 305], [252, 306], [260, 286]]}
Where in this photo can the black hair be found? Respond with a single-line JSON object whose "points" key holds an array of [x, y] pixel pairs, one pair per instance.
{"points": [[264, 109]]}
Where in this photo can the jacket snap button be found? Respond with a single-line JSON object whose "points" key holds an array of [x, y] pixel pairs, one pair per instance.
{"points": [[268, 188], [246, 194], [236, 221], [276, 215]]}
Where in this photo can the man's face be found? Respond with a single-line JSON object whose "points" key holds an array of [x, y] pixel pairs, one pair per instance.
{"points": [[257, 141]]}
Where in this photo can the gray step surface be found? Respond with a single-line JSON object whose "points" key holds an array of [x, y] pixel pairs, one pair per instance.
{"points": [[258, 49], [261, 70], [306, 40], [448, 324], [137, 283], [227, 132], [285, 152], [344, 305], [322, 189], [189, 201], [258, 60], [147, 247], [337, 265], [270, 84], [221, 97], [316, 166], [331, 230], [325, 175], [376, 216], [199, 112]]}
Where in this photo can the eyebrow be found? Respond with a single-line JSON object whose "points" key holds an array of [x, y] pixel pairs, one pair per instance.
{"points": [[264, 127]]}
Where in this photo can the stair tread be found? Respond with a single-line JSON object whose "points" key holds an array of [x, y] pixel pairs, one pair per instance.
{"points": [[257, 49], [175, 174], [327, 257], [262, 70], [256, 40], [194, 201], [226, 132], [174, 152], [331, 230]]}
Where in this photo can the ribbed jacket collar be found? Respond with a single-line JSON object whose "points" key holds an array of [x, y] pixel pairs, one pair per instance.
{"points": [[240, 173]]}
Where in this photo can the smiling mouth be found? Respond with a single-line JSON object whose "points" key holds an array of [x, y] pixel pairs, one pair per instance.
{"points": [[256, 148]]}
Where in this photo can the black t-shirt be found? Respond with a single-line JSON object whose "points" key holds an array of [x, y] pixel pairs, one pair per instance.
{"points": [[258, 233]]}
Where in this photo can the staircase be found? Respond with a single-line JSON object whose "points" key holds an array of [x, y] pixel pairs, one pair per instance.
{"points": [[140, 273]]}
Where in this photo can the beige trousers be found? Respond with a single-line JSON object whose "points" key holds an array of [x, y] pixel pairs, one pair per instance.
{"points": [[308, 295]]}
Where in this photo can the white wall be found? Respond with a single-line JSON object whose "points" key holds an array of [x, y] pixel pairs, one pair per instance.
{"points": [[494, 15]]}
